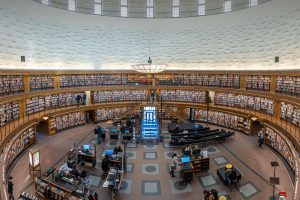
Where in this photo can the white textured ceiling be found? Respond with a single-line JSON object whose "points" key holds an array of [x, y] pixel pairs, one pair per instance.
{"points": [[243, 40]]}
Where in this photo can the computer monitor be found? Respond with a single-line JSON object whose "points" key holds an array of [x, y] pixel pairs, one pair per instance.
{"points": [[127, 131], [109, 152], [86, 147], [186, 159]]}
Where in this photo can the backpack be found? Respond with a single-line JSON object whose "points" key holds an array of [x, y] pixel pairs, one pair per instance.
{"points": [[215, 193]]}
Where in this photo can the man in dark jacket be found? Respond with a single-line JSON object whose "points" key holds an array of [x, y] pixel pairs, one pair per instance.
{"points": [[98, 132], [10, 189]]}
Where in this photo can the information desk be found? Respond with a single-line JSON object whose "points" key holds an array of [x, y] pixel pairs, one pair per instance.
{"points": [[115, 160], [223, 177], [113, 182], [186, 172], [87, 155]]}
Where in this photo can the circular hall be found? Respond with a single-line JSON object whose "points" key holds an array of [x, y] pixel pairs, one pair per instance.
{"points": [[150, 99]]}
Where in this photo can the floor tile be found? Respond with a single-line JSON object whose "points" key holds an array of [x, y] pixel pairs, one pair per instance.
{"points": [[177, 186], [248, 190], [207, 181], [150, 155], [151, 188], [150, 146], [150, 169], [131, 154], [126, 186], [220, 160]]}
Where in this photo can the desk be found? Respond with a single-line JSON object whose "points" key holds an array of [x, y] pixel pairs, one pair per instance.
{"points": [[182, 126], [115, 187], [87, 157], [186, 172], [223, 177]]}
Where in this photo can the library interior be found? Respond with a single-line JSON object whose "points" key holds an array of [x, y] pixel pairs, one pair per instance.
{"points": [[150, 99]]}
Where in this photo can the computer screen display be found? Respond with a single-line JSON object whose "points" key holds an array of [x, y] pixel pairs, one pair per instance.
{"points": [[86, 147], [185, 159], [108, 152]]}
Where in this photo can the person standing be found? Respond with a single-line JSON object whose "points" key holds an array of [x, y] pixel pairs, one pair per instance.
{"points": [[84, 99], [10, 189], [174, 163], [98, 132], [78, 99], [152, 96]]}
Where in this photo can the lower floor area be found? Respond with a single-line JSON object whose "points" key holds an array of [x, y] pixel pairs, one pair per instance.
{"points": [[148, 167]]}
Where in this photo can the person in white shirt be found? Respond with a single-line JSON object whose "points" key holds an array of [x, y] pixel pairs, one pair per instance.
{"points": [[174, 163]]}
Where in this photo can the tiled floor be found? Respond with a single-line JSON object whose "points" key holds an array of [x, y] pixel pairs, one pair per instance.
{"points": [[242, 152]]}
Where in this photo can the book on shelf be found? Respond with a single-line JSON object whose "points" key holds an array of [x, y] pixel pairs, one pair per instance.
{"points": [[67, 121], [11, 84], [9, 112], [110, 113], [258, 82], [277, 141], [41, 82], [213, 80], [120, 95], [223, 119], [183, 95], [290, 113], [244, 101], [40, 103], [19, 143], [288, 85]]}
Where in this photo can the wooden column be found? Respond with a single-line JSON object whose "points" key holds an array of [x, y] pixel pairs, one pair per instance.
{"points": [[181, 112], [27, 83], [277, 108], [273, 79], [243, 78], [22, 104], [56, 82]]}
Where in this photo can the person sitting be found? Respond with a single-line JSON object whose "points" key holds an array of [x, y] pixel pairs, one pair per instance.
{"points": [[176, 129], [105, 165], [188, 150]]}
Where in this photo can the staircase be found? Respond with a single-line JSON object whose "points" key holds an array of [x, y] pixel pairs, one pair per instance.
{"points": [[150, 125], [173, 114]]}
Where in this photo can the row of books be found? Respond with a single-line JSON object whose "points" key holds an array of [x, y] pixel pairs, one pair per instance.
{"points": [[120, 95], [212, 80], [103, 79], [9, 112], [41, 82], [19, 143], [258, 82], [68, 120], [290, 113], [11, 84], [40, 103], [223, 119], [288, 85], [109, 113], [183, 95], [244, 101], [276, 141]]}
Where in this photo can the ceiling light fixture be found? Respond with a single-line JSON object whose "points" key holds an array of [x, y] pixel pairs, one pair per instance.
{"points": [[149, 68]]}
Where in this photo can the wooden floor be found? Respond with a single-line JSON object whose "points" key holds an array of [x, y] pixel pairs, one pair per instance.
{"points": [[242, 151]]}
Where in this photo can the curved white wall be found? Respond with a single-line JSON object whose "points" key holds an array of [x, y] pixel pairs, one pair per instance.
{"points": [[243, 40]]}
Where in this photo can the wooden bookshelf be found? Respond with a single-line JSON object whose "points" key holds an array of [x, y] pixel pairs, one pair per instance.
{"points": [[41, 82], [289, 85], [183, 95], [258, 82], [11, 84], [65, 121], [119, 95], [290, 113], [261, 104], [41, 103], [200, 165], [279, 143], [224, 119], [9, 112], [211, 80], [104, 114], [19, 143]]}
